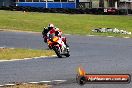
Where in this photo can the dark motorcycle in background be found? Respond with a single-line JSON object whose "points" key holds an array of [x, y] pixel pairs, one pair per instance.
{"points": [[44, 33]]}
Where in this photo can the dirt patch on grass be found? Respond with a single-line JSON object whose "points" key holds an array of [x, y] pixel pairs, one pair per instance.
{"points": [[30, 86]]}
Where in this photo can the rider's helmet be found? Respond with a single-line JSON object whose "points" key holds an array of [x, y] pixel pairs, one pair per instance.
{"points": [[50, 26], [57, 29]]}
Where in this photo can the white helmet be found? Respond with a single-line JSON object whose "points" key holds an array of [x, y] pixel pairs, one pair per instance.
{"points": [[51, 25], [57, 29]]}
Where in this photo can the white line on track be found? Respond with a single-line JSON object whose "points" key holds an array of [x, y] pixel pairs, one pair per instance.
{"points": [[1, 85], [59, 80], [126, 37], [90, 35], [43, 56], [33, 82], [53, 55], [2, 47], [27, 58], [44, 81], [36, 57], [110, 36], [9, 84], [106, 36]]}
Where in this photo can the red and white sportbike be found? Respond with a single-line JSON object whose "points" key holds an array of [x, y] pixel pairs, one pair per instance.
{"points": [[58, 45]]}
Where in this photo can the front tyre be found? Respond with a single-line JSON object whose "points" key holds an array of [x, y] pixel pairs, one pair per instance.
{"points": [[68, 54], [57, 51]]}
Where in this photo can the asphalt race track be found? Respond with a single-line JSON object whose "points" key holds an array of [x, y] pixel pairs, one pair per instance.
{"points": [[94, 54]]}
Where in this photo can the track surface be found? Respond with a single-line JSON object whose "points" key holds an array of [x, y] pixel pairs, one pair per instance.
{"points": [[94, 54]]}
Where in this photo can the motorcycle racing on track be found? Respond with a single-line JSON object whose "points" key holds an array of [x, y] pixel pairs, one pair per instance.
{"points": [[53, 37]]}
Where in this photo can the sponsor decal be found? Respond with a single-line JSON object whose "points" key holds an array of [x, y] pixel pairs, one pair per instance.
{"points": [[83, 77]]}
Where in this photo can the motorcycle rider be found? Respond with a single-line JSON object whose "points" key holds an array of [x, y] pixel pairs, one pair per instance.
{"points": [[46, 30], [52, 30]]}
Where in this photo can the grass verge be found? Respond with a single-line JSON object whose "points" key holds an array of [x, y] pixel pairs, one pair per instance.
{"points": [[8, 53], [81, 24]]}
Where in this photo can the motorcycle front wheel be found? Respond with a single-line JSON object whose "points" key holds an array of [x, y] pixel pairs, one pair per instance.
{"points": [[67, 54], [57, 51]]}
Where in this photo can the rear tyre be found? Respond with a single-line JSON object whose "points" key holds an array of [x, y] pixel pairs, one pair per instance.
{"points": [[45, 39]]}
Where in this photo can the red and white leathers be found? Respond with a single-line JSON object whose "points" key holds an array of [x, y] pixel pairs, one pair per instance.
{"points": [[63, 46], [59, 32], [52, 31], [60, 35], [60, 40]]}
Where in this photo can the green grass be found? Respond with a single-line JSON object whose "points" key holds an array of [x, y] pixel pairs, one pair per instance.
{"points": [[74, 24], [7, 53]]}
